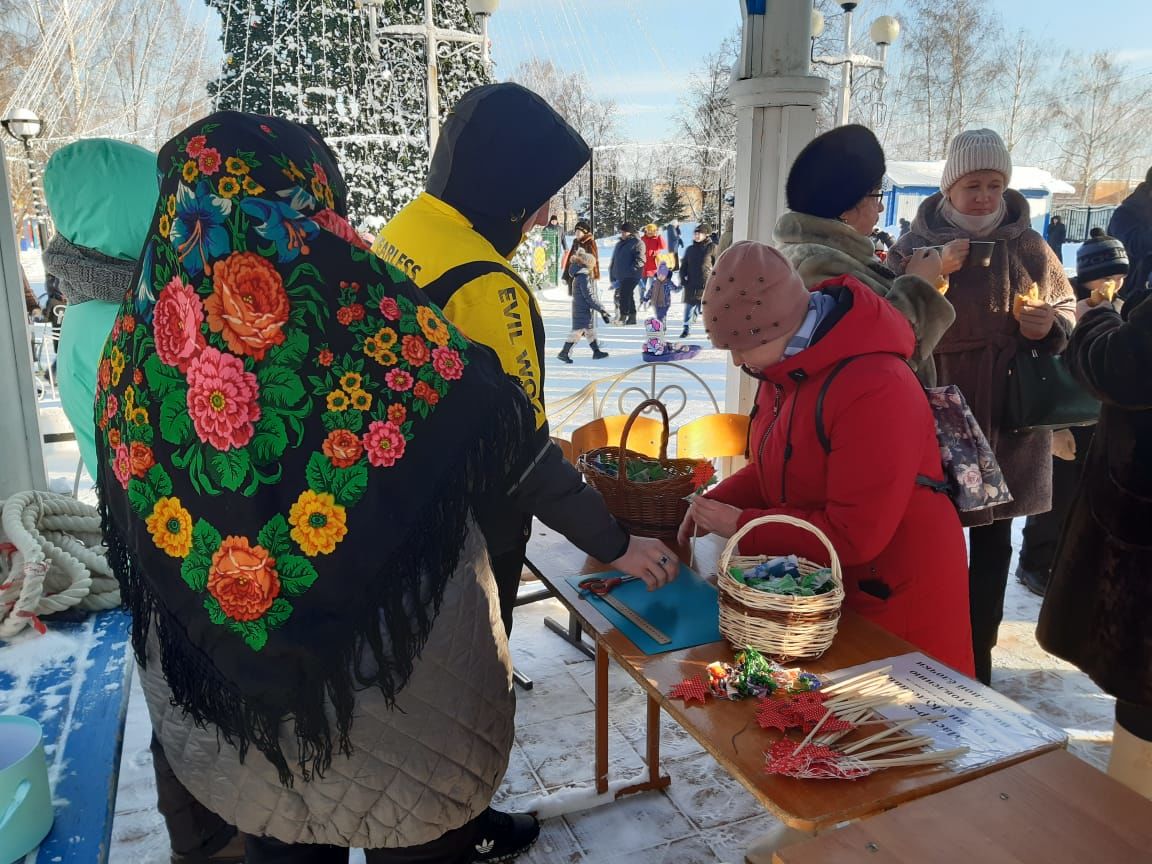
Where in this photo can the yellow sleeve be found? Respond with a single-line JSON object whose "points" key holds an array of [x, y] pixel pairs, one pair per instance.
{"points": [[496, 311]]}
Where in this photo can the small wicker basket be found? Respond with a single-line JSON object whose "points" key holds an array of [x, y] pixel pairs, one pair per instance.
{"points": [[786, 628], [653, 509]]}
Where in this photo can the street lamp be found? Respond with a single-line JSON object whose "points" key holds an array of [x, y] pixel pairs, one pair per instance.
{"points": [[884, 31], [482, 10], [24, 125]]}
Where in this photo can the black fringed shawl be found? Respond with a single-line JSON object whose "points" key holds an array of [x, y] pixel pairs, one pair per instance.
{"points": [[290, 438]]}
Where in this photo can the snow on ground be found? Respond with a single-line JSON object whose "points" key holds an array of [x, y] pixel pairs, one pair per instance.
{"points": [[704, 817]]}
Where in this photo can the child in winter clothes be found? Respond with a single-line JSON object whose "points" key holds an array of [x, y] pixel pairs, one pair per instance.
{"points": [[660, 293], [584, 303]]}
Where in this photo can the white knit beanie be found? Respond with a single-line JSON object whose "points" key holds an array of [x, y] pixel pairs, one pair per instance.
{"points": [[975, 150]]}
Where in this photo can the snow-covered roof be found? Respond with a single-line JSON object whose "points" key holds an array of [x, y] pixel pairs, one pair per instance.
{"points": [[929, 174]]}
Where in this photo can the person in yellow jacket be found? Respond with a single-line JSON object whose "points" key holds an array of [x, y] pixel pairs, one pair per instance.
{"points": [[502, 154]]}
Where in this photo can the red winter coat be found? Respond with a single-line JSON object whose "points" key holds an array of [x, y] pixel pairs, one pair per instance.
{"points": [[653, 246], [894, 537]]}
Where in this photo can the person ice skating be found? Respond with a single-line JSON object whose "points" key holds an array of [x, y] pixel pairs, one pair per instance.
{"points": [[1095, 612], [832, 362], [626, 270], [695, 268], [584, 303], [834, 199], [503, 153], [975, 204], [298, 546], [660, 293]]}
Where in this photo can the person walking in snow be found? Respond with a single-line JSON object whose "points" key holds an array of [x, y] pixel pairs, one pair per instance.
{"points": [[699, 259], [584, 303], [660, 293], [675, 241], [626, 270]]}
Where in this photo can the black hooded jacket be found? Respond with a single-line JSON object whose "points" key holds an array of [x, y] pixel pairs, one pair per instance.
{"points": [[502, 154]]}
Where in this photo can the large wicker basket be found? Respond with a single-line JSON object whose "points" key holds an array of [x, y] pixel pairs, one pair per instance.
{"points": [[653, 509], [787, 628]]}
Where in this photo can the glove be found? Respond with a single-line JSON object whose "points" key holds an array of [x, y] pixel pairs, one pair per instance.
{"points": [[606, 317]]}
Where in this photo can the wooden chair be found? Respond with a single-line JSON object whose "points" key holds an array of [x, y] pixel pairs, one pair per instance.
{"points": [[713, 436], [607, 432]]}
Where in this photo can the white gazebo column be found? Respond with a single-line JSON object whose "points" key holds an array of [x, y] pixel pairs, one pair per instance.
{"points": [[775, 99], [22, 463]]}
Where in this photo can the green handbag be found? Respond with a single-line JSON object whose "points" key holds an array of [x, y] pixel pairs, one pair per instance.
{"points": [[1042, 394]]}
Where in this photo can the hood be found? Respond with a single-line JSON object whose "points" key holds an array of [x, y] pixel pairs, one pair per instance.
{"points": [[863, 323], [502, 153], [102, 194], [932, 226], [796, 228]]}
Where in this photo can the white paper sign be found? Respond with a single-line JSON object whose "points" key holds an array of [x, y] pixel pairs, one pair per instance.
{"points": [[990, 725]]}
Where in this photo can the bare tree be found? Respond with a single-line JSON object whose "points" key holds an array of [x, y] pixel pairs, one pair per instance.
{"points": [[1022, 95], [1102, 115]]}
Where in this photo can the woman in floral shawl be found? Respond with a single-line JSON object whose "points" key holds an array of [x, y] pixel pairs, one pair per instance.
{"points": [[291, 440]]}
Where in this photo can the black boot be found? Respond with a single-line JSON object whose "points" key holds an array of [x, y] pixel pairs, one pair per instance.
{"points": [[566, 352], [597, 354], [503, 836], [1034, 581], [684, 332]]}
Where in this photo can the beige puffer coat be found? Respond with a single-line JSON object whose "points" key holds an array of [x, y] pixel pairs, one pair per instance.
{"points": [[822, 249], [415, 772]]}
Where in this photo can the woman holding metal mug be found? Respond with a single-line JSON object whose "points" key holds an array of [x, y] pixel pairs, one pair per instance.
{"points": [[1009, 292]]}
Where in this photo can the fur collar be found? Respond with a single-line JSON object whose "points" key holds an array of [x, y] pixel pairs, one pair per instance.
{"points": [[815, 230]]}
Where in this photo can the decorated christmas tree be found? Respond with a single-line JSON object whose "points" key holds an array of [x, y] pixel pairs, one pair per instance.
{"points": [[314, 62]]}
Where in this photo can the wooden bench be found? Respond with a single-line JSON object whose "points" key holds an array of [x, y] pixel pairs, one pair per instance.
{"points": [[75, 681]]}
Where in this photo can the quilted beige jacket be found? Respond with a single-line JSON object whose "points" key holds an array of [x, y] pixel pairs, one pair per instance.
{"points": [[822, 249], [415, 772]]}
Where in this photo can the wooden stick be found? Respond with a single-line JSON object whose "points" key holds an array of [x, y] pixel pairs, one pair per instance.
{"points": [[929, 758], [902, 744], [864, 676], [879, 736], [815, 729]]}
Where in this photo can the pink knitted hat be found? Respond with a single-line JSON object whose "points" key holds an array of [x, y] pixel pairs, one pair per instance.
{"points": [[752, 298]]}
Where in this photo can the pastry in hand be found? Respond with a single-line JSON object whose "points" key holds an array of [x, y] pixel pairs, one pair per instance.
{"points": [[1032, 293], [1103, 291]]}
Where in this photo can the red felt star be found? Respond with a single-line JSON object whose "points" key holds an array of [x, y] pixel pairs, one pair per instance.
{"points": [[808, 714], [776, 714], [689, 689]]}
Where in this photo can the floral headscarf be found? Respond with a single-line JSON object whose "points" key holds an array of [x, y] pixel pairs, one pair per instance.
{"points": [[290, 439]]}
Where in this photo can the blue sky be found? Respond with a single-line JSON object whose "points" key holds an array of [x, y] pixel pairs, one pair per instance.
{"points": [[641, 52]]}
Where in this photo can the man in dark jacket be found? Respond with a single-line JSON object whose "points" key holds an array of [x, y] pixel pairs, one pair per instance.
{"points": [[1131, 224], [699, 259], [1056, 235], [502, 154], [626, 270]]}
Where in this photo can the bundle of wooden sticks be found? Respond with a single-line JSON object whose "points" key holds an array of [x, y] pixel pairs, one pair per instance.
{"points": [[847, 706]]}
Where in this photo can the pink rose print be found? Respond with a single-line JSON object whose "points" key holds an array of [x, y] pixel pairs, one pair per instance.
{"points": [[210, 161], [196, 146], [176, 322], [446, 361], [384, 443], [389, 308], [320, 173], [112, 407], [222, 399], [398, 380], [970, 477], [122, 465]]}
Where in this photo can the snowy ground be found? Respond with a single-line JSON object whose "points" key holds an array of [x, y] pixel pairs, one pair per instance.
{"points": [[705, 816]]}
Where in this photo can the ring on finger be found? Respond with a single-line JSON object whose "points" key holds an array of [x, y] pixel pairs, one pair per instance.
{"points": [[663, 560]]}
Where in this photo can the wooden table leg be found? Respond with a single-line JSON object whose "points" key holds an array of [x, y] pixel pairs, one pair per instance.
{"points": [[601, 719], [652, 740]]}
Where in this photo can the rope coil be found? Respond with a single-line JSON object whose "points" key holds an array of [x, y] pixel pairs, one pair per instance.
{"points": [[51, 559]]}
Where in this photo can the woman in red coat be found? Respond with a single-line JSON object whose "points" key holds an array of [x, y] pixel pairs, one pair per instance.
{"points": [[864, 475]]}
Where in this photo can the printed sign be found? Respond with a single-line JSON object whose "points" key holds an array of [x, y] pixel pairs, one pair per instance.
{"points": [[990, 725]]}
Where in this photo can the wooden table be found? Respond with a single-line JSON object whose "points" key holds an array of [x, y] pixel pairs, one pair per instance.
{"points": [[723, 728], [1053, 809], [80, 698]]}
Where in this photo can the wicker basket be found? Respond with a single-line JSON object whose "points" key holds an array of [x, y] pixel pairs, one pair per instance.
{"points": [[787, 628], [653, 509]]}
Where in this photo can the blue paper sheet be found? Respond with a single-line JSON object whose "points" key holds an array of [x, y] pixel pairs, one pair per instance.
{"points": [[685, 610]]}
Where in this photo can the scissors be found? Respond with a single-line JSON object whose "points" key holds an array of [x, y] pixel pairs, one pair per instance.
{"points": [[601, 586]]}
